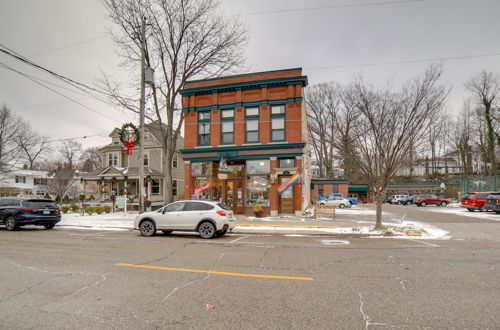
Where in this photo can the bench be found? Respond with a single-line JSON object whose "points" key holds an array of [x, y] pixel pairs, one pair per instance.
{"points": [[324, 209]]}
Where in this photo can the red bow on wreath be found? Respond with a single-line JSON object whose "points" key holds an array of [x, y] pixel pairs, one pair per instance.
{"points": [[129, 145]]}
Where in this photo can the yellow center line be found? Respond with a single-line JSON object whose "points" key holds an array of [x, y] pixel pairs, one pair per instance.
{"points": [[216, 272], [284, 226]]}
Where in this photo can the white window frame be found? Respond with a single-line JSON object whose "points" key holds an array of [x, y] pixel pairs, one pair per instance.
{"points": [[112, 157]]}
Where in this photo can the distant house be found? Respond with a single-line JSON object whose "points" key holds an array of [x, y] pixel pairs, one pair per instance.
{"points": [[119, 175], [25, 183]]}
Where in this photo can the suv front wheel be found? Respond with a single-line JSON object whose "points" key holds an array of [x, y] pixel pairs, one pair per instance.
{"points": [[10, 223], [147, 228]]}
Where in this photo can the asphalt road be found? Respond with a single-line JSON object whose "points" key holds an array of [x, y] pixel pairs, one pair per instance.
{"points": [[77, 279]]}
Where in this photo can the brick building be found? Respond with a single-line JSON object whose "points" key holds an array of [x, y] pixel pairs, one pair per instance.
{"points": [[245, 136]]}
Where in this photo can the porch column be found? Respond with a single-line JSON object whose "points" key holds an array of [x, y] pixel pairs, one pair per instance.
{"points": [[273, 190], [298, 188], [187, 179], [148, 191]]}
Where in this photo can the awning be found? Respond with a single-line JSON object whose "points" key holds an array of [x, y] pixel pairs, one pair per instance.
{"points": [[358, 188]]}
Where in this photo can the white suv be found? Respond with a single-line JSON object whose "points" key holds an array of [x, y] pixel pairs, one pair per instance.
{"points": [[397, 199], [205, 217]]}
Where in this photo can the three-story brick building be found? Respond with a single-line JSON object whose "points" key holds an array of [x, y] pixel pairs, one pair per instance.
{"points": [[245, 138]]}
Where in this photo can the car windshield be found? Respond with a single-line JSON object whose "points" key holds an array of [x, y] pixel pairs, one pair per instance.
{"points": [[36, 204]]}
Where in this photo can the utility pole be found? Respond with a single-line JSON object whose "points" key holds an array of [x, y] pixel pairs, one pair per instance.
{"points": [[141, 117]]}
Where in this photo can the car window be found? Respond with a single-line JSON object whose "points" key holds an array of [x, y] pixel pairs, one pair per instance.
{"points": [[224, 206], [34, 204], [10, 202], [466, 197], [481, 196], [175, 207], [198, 206]]}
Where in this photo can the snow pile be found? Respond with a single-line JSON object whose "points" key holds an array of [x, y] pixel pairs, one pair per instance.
{"points": [[111, 221], [461, 211]]}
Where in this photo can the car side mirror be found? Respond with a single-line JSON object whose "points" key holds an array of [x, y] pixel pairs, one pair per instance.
{"points": [[163, 212]]}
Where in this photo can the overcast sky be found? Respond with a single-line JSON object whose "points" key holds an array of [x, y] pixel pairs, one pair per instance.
{"points": [[332, 40]]}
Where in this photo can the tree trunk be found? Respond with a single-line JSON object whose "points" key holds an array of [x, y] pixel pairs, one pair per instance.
{"points": [[378, 212]]}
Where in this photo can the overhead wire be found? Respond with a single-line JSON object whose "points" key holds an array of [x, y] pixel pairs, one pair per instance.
{"points": [[57, 92]]}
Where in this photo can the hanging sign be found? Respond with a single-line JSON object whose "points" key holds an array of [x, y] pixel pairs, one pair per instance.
{"points": [[130, 137]]}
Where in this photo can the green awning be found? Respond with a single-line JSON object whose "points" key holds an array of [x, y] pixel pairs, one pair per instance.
{"points": [[358, 188]]}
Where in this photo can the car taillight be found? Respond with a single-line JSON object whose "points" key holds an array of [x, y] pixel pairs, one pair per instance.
{"points": [[221, 213], [58, 210], [28, 210], [498, 200]]}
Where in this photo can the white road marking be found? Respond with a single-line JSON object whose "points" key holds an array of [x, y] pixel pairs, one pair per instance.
{"points": [[235, 240], [414, 240], [334, 242]]}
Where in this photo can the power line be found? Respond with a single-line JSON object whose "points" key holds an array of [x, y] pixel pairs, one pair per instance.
{"points": [[383, 3], [64, 47], [405, 61], [57, 92], [77, 138]]}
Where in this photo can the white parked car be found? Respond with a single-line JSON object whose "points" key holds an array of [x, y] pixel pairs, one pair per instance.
{"points": [[398, 199], [335, 201], [205, 217]]}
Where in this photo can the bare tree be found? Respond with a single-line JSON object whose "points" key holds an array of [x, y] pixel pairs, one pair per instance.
{"points": [[486, 89], [62, 177], [11, 132], [186, 39], [70, 152], [33, 146], [378, 140], [91, 159]]}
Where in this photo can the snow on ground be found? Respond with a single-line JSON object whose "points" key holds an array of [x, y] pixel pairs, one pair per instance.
{"points": [[395, 227], [457, 210], [110, 221]]}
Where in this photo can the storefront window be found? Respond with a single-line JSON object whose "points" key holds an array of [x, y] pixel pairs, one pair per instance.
{"points": [[258, 190], [258, 166], [200, 169], [287, 163]]}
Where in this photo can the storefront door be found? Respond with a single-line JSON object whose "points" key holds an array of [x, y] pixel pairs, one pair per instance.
{"points": [[286, 198], [235, 195]]}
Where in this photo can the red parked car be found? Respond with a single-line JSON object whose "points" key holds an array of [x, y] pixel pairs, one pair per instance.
{"points": [[428, 199], [475, 201]]}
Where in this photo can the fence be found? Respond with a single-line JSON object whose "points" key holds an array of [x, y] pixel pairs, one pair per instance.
{"points": [[485, 183]]}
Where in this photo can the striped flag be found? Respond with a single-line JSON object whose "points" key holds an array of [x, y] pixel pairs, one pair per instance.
{"points": [[285, 186]]}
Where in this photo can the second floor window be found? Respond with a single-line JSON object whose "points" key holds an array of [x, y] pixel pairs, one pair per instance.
{"points": [[113, 159], [146, 159], [227, 126], [252, 125], [174, 161], [204, 128], [278, 123], [20, 179]]}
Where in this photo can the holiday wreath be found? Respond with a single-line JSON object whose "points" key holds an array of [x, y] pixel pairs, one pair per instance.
{"points": [[130, 137]]}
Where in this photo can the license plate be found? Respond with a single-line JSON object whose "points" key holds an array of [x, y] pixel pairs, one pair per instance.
{"points": [[46, 211]]}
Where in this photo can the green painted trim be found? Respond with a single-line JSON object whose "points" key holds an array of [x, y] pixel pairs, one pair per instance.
{"points": [[245, 157], [244, 148], [243, 75], [326, 181], [247, 85], [243, 104], [357, 189]]}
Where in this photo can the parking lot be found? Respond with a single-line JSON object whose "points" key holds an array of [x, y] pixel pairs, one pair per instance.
{"points": [[68, 278]]}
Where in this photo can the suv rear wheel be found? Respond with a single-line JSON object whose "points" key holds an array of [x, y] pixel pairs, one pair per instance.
{"points": [[482, 208], [10, 223], [206, 230], [147, 228], [443, 204], [423, 204], [341, 206], [49, 225]]}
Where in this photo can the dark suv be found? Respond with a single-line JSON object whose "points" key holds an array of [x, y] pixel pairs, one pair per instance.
{"points": [[16, 212], [493, 202]]}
